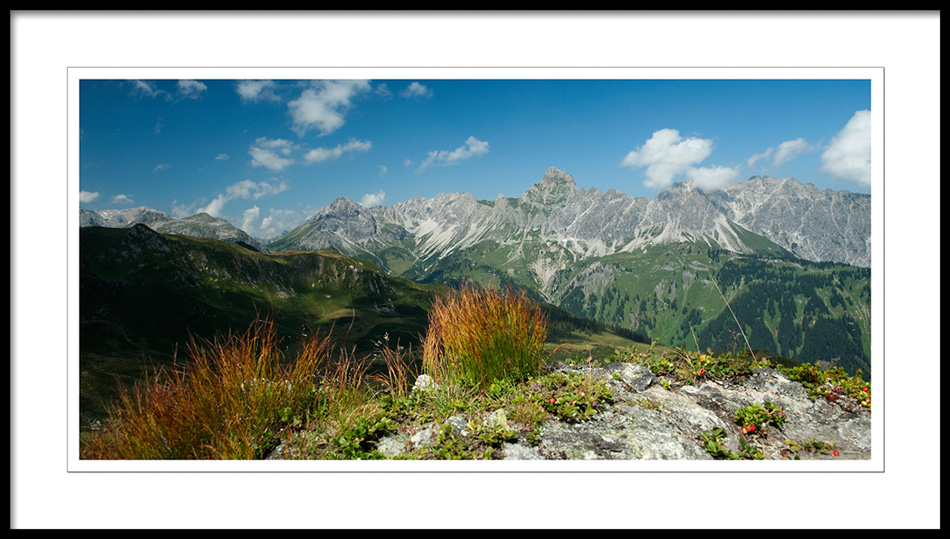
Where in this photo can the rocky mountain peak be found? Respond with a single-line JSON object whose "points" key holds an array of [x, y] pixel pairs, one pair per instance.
{"points": [[555, 187], [555, 177]]}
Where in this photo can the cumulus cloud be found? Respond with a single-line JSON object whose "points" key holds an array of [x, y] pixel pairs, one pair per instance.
{"points": [[221, 157], [323, 107], [191, 89], [273, 154], [122, 199], [252, 91], [324, 154], [789, 150], [277, 223], [472, 148], [251, 215], [161, 166], [86, 196], [666, 154], [416, 90], [245, 189], [848, 156], [382, 170], [143, 88], [373, 199], [712, 178]]}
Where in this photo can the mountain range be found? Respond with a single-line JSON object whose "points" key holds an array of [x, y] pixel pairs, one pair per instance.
{"points": [[792, 262], [555, 223]]}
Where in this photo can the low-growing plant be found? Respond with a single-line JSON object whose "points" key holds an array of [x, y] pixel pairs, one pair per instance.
{"points": [[810, 445], [831, 383], [758, 415], [712, 443], [572, 396], [478, 444], [686, 367], [481, 335]]}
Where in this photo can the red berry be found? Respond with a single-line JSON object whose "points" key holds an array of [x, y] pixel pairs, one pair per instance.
{"points": [[866, 390], [552, 400], [702, 372], [835, 452], [751, 428]]}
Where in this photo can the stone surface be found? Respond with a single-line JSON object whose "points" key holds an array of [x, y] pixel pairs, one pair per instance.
{"points": [[649, 422]]}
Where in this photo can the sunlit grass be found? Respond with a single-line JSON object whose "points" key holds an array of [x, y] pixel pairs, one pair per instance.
{"points": [[227, 402], [480, 335]]}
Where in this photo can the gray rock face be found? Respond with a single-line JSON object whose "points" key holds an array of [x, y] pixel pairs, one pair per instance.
{"points": [[650, 422], [815, 225], [655, 423], [823, 226]]}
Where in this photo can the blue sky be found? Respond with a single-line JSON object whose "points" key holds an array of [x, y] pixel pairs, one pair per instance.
{"points": [[267, 154]]}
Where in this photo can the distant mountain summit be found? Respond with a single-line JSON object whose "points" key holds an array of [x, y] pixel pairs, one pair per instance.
{"points": [[201, 225], [122, 218]]}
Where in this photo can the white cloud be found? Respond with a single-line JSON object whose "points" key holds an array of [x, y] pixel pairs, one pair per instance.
{"points": [[666, 155], [789, 150], [382, 170], [146, 89], [323, 107], [250, 215], [256, 90], [243, 189], [264, 189], [373, 199], [416, 90], [221, 157], [272, 154], [191, 89], [214, 207], [277, 223], [848, 156], [182, 210], [382, 90], [712, 178], [759, 156], [161, 166], [472, 148], [86, 196], [324, 154], [122, 199]]}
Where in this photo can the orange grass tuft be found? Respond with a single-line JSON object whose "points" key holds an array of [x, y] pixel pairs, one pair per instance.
{"points": [[479, 335], [229, 402]]}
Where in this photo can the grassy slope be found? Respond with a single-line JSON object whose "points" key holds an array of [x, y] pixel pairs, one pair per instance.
{"points": [[139, 306]]}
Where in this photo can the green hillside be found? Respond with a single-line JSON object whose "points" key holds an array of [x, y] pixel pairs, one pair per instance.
{"points": [[144, 294], [811, 312]]}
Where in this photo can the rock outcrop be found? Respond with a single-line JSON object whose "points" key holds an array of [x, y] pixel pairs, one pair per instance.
{"points": [[647, 421]]}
